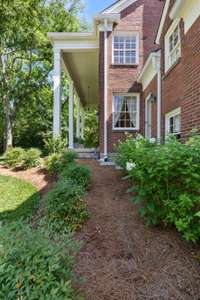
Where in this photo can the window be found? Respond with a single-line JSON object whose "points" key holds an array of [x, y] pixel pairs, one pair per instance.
{"points": [[173, 123], [125, 49], [172, 46], [126, 112]]}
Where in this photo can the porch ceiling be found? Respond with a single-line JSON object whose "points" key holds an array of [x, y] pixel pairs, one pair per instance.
{"points": [[83, 67]]}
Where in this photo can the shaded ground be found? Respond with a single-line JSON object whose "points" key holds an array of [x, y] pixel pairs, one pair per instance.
{"points": [[122, 259], [39, 178]]}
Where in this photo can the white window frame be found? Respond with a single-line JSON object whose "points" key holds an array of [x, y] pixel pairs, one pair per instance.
{"points": [[168, 54], [137, 95], [168, 116], [126, 34]]}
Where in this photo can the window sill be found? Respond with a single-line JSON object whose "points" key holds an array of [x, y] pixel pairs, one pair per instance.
{"points": [[125, 129], [172, 68], [124, 66]]}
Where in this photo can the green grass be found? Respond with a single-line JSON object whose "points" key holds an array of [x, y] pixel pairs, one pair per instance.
{"points": [[17, 198]]}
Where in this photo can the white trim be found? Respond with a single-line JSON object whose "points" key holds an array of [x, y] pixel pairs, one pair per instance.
{"points": [[118, 6], [78, 121], [131, 34], [162, 21], [105, 91], [148, 98], [169, 115], [168, 63], [176, 7], [57, 93], [137, 128], [71, 115]]}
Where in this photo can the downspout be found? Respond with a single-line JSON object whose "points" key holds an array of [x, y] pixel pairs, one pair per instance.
{"points": [[105, 91], [159, 95]]}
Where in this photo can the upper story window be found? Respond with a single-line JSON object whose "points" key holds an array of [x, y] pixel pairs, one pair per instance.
{"points": [[125, 48], [172, 46], [126, 112], [173, 123]]}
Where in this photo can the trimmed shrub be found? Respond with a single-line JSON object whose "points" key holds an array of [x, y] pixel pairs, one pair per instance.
{"points": [[54, 145], [167, 181], [57, 162], [65, 209], [53, 163], [81, 175], [31, 158], [32, 266], [14, 157]]}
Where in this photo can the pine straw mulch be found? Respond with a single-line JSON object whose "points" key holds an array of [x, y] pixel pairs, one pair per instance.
{"points": [[121, 258]]}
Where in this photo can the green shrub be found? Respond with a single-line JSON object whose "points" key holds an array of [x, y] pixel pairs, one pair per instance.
{"points": [[54, 145], [31, 158], [53, 163], [81, 175], [34, 267], [68, 157], [65, 209], [167, 181], [57, 162], [14, 157]]}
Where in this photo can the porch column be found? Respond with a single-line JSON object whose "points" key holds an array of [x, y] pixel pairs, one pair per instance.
{"points": [[78, 118], [57, 94], [82, 123], [71, 115]]}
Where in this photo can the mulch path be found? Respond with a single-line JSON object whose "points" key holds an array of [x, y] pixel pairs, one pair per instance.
{"points": [[123, 259]]}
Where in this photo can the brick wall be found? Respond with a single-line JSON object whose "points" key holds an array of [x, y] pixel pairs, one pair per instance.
{"points": [[142, 16], [181, 84]]}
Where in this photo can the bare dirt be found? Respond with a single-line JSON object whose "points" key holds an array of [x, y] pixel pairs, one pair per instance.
{"points": [[123, 259]]}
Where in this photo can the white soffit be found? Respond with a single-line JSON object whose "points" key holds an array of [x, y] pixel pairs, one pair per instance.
{"points": [[118, 6]]}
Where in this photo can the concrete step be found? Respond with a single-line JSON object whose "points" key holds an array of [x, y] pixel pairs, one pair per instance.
{"points": [[84, 153]]}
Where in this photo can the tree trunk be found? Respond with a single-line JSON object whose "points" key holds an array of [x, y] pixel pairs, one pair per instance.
{"points": [[8, 125]]}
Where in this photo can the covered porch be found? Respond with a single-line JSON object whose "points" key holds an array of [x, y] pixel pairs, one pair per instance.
{"points": [[77, 55]]}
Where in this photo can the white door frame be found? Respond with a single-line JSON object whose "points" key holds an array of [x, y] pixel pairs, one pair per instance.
{"points": [[148, 123]]}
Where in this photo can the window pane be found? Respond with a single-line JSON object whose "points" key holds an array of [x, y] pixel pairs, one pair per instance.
{"points": [[127, 47], [125, 111]]}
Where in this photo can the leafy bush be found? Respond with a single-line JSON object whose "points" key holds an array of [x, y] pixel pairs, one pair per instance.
{"points": [[57, 162], [14, 157], [34, 267], [81, 175], [54, 145], [31, 158], [167, 181], [68, 157], [64, 207], [53, 163]]}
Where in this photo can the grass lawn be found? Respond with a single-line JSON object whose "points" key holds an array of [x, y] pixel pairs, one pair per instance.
{"points": [[17, 198]]}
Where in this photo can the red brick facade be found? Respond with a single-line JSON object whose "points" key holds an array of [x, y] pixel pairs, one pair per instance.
{"points": [[181, 83], [143, 17]]}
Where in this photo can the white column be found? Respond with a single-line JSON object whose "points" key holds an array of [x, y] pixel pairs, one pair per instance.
{"points": [[71, 115], [78, 118], [57, 94], [82, 123], [159, 96], [105, 91]]}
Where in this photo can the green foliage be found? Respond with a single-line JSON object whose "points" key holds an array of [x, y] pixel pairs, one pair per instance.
{"points": [[81, 175], [31, 158], [54, 145], [18, 198], [91, 132], [57, 162], [18, 157], [167, 181], [53, 163], [33, 266], [26, 59], [14, 157], [65, 209]]}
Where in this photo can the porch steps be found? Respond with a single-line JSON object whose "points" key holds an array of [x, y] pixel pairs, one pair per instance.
{"points": [[90, 153]]}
